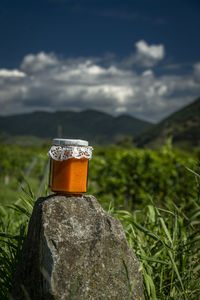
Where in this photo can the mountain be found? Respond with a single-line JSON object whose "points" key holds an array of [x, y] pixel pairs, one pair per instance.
{"points": [[96, 126], [183, 126]]}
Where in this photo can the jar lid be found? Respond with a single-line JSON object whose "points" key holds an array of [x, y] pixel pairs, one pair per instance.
{"points": [[70, 142]]}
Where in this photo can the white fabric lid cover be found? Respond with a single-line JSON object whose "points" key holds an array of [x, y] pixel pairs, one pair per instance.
{"points": [[69, 142]]}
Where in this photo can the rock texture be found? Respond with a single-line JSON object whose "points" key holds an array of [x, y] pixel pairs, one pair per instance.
{"points": [[75, 250]]}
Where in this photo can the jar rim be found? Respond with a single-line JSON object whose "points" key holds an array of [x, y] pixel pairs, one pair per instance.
{"points": [[69, 142]]}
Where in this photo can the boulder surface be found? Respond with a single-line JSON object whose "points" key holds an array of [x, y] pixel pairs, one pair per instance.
{"points": [[76, 250]]}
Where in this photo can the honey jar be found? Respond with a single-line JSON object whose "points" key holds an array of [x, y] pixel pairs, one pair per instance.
{"points": [[69, 166]]}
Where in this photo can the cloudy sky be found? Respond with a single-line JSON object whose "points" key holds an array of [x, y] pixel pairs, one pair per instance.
{"points": [[138, 57]]}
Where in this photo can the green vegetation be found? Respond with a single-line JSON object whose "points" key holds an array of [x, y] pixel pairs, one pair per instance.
{"points": [[155, 194]]}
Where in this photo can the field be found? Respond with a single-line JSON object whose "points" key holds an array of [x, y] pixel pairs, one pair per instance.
{"points": [[155, 194]]}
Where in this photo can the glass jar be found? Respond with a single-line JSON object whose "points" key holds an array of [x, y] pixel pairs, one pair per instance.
{"points": [[69, 166]]}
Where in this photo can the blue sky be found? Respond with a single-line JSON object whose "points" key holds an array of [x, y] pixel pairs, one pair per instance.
{"points": [[136, 57]]}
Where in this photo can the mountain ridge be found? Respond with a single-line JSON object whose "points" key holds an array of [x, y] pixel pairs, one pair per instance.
{"points": [[96, 126], [183, 126]]}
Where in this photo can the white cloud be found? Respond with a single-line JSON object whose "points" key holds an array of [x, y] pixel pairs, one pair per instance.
{"points": [[11, 73], [53, 84], [162, 90], [145, 55], [154, 51], [147, 73], [35, 63]]}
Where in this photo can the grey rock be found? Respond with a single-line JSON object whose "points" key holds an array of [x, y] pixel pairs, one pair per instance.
{"points": [[75, 250]]}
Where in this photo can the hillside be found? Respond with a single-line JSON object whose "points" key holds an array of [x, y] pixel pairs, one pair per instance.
{"points": [[97, 127], [183, 126]]}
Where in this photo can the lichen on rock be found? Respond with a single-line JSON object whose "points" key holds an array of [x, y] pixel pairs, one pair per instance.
{"points": [[75, 250]]}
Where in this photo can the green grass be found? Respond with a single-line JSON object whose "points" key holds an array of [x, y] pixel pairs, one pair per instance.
{"points": [[167, 245], [7, 193], [155, 195], [166, 242]]}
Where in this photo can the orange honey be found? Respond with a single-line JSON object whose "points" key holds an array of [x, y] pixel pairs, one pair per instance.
{"points": [[69, 166], [69, 176]]}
